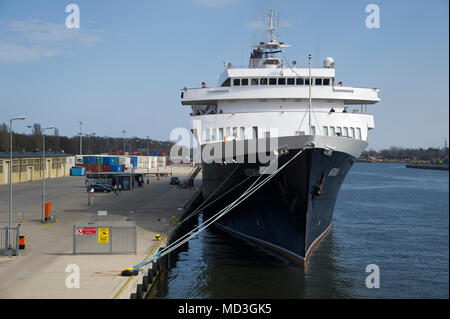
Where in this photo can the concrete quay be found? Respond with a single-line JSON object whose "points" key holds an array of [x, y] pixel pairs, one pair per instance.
{"points": [[40, 271]]}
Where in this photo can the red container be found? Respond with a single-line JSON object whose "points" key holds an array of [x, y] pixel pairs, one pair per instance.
{"points": [[123, 168], [106, 168]]}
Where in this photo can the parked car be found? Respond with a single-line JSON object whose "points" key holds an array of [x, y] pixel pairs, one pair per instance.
{"points": [[100, 188], [106, 185], [174, 181]]}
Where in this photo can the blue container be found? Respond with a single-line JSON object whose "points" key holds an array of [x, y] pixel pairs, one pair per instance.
{"points": [[85, 160], [92, 160], [115, 168], [153, 153], [77, 171], [110, 161], [134, 161]]}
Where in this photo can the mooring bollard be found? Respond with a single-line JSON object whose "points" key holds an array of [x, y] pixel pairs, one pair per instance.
{"points": [[145, 283], [139, 291]]}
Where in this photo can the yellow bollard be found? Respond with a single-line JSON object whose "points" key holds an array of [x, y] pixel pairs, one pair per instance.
{"points": [[158, 236]]}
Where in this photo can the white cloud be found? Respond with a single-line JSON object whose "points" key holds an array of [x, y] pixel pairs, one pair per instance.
{"points": [[213, 3], [31, 40]]}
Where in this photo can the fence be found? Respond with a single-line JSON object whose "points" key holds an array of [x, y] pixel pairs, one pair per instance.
{"points": [[9, 241], [105, 238]]}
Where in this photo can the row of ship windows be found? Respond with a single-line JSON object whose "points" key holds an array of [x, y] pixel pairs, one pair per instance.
{"points": [[221, 134], [278, 81], [339, 131]]}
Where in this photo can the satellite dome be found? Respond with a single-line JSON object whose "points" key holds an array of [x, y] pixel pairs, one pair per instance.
{"points": [[328, 63]]}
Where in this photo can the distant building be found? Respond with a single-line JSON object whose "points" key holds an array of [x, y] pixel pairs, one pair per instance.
{"points": [[28, 166]]}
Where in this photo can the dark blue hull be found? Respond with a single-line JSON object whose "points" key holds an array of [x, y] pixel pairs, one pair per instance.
{"points": [[292, 211]]}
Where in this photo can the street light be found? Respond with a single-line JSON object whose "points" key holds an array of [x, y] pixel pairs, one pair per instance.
{"points": [[89, 167], [81, 141], [44, 171], [123, 131], [10, 176]]}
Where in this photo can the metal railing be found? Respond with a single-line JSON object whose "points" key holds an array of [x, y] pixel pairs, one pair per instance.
{"points": [[9, 241], [105, 238]]}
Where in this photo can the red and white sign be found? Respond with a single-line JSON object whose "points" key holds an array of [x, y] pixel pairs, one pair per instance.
{"points": [[86, 231]]}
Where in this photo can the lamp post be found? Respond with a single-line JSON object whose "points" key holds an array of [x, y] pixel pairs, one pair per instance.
{"points": [[89, 149], [44, 171], [123, 131], [89, 168], [10, 176], [81, 141]]}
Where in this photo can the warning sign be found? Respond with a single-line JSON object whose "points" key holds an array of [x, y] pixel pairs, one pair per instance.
{"points": [[103, 235], [86, 231]]}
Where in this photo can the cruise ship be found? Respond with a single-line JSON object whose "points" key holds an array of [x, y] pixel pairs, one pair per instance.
{"points": [[294, 132]]}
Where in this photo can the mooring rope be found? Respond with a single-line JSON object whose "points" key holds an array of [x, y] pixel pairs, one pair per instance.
{"points": [[198, 229]]}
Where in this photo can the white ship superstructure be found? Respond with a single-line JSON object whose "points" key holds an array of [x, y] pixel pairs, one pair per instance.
{"points": [[248, 102]]}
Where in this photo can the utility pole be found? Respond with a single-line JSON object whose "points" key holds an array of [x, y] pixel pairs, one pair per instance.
{"points": [[123, 131], [81, 141], [9, 239], [44, 171]]}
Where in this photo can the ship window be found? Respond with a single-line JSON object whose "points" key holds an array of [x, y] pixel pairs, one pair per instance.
{"points": [[263, 81], [213, 134], [237, 82], [221, 134], [325, 130], [273, 81], [207, 133], [358, 133], [242, 133], [235, 131], [244, 82], [255, 81], [290, 81], [345, 131], [352, 132], [282, 81], [227, 82], [326, 82], [313, 130], [228, 132], [299, 81], [338, 131], [255, 132], [332, 131], [306, 81], [318, 81]]}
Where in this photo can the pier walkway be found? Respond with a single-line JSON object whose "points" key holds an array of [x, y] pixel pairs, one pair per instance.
{"points": [[40, 270]]}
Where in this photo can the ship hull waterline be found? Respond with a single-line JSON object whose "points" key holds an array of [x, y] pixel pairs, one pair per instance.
{"points": [[293, 211]]}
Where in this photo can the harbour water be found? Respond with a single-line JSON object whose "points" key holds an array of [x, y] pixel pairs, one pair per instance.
{"points": [[386, 214]]}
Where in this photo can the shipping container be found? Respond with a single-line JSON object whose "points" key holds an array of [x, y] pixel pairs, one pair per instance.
{"points": [[134, 161], [110, 160], [115, 168], [106, 168], [77, 171]]}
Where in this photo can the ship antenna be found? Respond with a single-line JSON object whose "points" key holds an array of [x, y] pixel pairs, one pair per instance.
{"points": [[272, 26]]}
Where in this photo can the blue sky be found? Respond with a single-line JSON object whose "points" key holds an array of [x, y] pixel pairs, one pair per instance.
{"points": [[125, 66]]}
